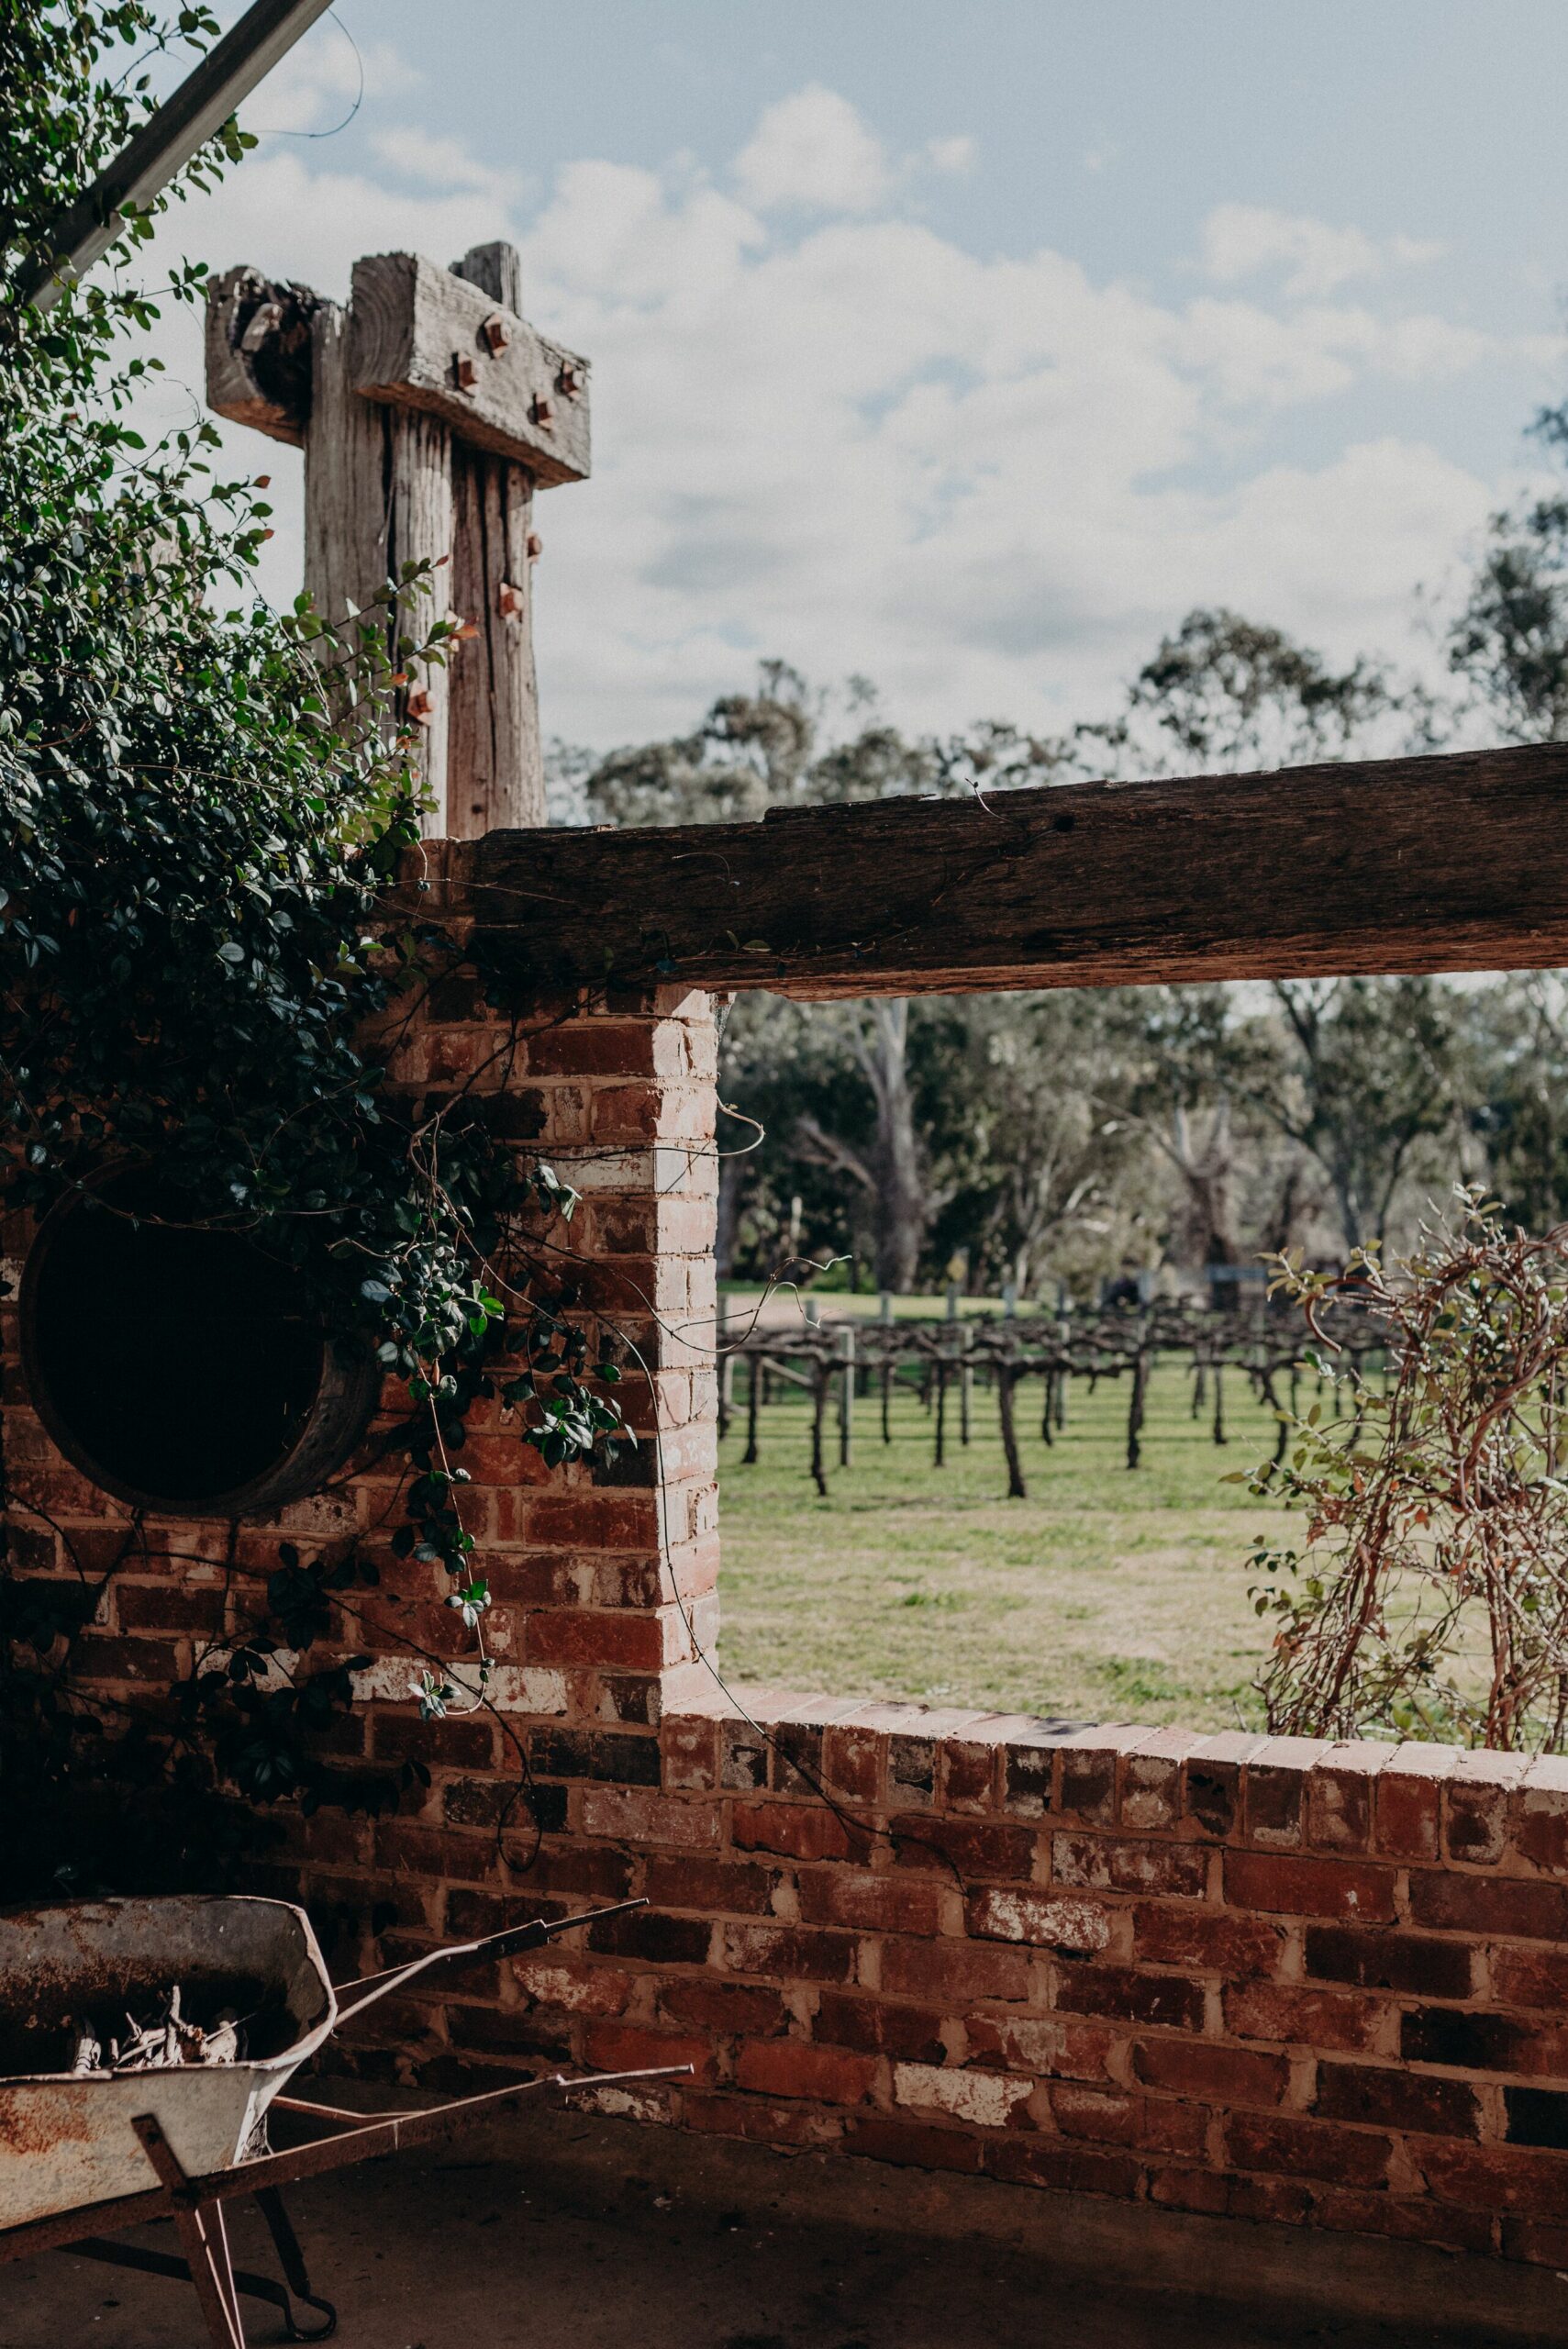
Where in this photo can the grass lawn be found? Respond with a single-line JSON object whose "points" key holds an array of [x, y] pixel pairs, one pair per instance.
{"points": [[1105, 1596]]}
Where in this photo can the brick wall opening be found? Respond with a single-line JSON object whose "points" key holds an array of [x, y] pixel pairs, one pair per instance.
{"points": [[1267, 1977]]}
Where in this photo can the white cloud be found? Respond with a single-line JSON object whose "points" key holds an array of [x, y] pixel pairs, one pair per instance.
{"points": [[1241, 240], [988, 483], [443, 162], [814, 151], [955, 155]]}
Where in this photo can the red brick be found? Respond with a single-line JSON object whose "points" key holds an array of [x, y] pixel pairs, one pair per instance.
{"points": [[579, 1519], [798, 2067], [554, 1980], [1408, 1822], [592, 1049], [612, 1636], [428, 1850], [916, 2143], [467, 1744], [968, 1780], [1043, 1920], [875, 1904], [1088, 1782], [1119, 1864], [159, 1607], [1475, 1804], [1279, 2011], [1054, 2047], [1497, 2178], [953, 1971], [1530, 1977], [1485, 1904], [1189, 2189], [691, 1753], [627, 2047], [587, 1869], [974, 1847], [1340, 1797], [721, 1887], [655, 1936], [1422, 2221], [727, 2007], [1108, 2116], [725, 2114], [1212, 2073], [632, 1815], [1298, 1888], [1395, 2099], [1385, 1961], [876, 2026], [1484, 2042], [1306, 2149], [1074, 2169], [798, 1952], [1279, 2201], [852, 1760], [98, 1657], [1121, 1992], [1171, 2125], [1197, 1939], [797, 1830], [1539, 1823]]}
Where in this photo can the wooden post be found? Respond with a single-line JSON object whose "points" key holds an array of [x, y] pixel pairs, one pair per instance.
{"points": [[846, 1337], [753, 1401], [1007, 1373], [726, 1371], [884, 1315], [429, 412]]}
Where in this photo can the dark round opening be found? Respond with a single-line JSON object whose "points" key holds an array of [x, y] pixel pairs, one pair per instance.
{"points": [[183, 1370]]}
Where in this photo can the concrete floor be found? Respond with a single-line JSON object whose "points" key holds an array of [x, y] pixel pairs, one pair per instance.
{"points": [[611, 2238]]}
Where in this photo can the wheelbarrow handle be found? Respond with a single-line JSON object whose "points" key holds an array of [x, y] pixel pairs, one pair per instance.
{"points": [[506, 1944]]}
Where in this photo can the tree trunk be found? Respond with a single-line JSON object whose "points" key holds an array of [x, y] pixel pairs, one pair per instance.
{"points": [[881, 1032]]}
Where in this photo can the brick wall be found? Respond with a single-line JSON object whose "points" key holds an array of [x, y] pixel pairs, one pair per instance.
{"points": [[1270, 1979]]}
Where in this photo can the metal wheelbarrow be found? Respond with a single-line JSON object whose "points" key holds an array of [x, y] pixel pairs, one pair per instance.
{"points": [[174, 2124]]}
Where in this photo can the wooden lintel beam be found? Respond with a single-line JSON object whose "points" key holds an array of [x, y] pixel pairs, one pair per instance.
{"points": [[421, 337], [1447, 863]]}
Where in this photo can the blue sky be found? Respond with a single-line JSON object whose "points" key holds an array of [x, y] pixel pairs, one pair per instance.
{"points": [[969, 346]]}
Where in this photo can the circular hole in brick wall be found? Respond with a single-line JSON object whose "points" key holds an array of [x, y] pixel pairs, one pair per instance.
{"points": [[184, 1371]]}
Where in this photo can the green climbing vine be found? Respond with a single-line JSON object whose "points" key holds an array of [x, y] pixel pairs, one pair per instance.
{"points": [[202, 803]]}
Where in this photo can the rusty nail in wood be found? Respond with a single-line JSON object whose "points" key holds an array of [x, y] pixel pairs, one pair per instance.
{"points": [[465, 370], [533, 546], [544, 411], [570, 380], [510, 601], [465, 630], [496, 334], [421, 706]]}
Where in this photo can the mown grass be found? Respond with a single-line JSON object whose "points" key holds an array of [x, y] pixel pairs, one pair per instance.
{"points": [[1107, 1594]]}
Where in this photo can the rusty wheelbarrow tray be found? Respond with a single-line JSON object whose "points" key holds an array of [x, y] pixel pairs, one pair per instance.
{"points": [[76, 2150]]}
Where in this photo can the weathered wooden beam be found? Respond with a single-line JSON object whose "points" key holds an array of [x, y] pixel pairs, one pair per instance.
{"points": [[258, 352], [1449, 864], [494, 756], [424, 338]]}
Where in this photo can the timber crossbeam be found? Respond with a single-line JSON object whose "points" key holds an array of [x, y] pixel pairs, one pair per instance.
{"points": [[1456, 863]]}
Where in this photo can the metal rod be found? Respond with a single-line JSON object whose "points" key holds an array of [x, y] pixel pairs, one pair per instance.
{"points": [[532, 1935], [166, 142]]}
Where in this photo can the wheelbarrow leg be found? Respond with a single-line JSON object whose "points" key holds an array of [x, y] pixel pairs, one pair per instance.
{"points": [[203, 2237], [291, 2259]]}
